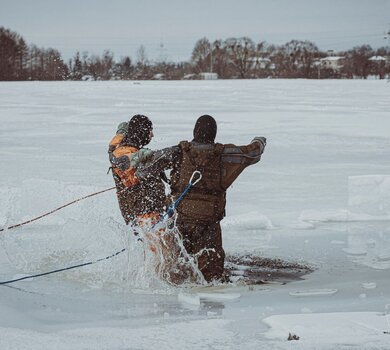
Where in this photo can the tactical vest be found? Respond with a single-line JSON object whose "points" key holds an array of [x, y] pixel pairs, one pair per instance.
{"points": [[206, 201]]}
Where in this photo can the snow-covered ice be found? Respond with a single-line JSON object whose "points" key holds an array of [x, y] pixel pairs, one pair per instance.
{"points": [[312, 292], [336, 330], [320, 196], [370, 194]]}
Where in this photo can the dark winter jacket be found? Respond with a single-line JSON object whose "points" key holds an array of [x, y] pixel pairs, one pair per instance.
{"points": [[136, 197]]}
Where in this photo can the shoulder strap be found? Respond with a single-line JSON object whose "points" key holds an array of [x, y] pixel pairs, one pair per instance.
{"points": [[185, 145]]}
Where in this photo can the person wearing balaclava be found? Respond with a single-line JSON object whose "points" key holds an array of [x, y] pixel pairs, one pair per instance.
{"points": [[201, 210], [137, 198]]}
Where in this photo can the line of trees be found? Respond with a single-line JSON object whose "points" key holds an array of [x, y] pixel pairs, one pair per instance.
{"points": [[243, 58], [85, 67], [233, 58], [21, 62]]}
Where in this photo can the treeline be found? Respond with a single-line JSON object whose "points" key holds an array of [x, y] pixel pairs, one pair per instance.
{"points": [[234, 58], [18, 61], [243, 58], [85, 67]]}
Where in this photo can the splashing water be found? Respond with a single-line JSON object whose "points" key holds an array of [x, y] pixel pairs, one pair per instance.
{"points": [[154, 260], [165, 255]]}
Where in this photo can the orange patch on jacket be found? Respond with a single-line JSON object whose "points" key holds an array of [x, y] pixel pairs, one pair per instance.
{"points": [[116, 140], [128, 176]]}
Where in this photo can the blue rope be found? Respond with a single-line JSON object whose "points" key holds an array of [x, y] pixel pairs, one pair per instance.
{"points": [[171, 210], [64, 269]]}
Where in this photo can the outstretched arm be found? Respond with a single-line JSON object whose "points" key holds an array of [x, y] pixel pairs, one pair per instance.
{"points": [[159, 161], [236, 158]]}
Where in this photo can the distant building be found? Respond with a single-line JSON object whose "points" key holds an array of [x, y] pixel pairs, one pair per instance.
{"points": [[189, 77], [378, 66], [377, 59], [159, 76], [332, 62], [87, 77], [261, 63], [266, 63], [208, 76]]}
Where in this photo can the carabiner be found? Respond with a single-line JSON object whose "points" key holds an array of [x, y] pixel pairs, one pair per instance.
{"points": [[196, 172]]}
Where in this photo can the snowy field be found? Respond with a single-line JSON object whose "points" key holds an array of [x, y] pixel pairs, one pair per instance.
{"points": [[320, 196]]}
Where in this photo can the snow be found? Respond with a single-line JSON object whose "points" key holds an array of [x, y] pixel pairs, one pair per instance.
{"points": [[369, 285], [312, 292], [219, 296], [197, 335], [319, 196], [331, 58], [189, 299], [330, 330], [370, 194], [377, 58]]}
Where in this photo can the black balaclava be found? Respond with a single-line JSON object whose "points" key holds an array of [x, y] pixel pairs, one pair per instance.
{"points": [[138, 132], [205, 129]]}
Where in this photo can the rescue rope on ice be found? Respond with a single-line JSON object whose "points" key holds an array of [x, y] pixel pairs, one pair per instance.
{"points": [[64, 268], [170, 211], [54, 210]]}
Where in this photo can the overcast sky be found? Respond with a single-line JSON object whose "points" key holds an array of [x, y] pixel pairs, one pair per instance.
{"points": [[170, 28]]}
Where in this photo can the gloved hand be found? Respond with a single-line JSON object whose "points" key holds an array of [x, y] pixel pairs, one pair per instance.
{"points": [[133, 160], [260, 139], [123, 162], [122, 128]]}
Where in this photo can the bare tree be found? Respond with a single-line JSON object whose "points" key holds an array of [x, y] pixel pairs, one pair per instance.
{"points": [[357, 61], [76, 68], [300, 57], [201, 56], [126, 69], [242, 55], [142, 71], [142, 57], [13, 55], [220, 59]]}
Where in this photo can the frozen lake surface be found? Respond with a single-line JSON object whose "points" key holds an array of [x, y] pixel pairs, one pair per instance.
{"points": [[320, 196]]}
